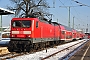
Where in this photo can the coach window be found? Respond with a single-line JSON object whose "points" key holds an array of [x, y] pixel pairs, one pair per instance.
{"points": [[63, 32], [36, 24]]}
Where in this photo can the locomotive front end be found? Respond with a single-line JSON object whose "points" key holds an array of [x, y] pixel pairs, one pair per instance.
{"points": [[20, 29], [21, 35]]}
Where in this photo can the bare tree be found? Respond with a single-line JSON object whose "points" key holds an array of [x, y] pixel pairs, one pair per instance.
{"points": [[25, 8]]}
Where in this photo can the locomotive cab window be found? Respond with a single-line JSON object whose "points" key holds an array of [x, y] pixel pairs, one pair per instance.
{"points": [[21, 23], [36, 24], [16, 24]]}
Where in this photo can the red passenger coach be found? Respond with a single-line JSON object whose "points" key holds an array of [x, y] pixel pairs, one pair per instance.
{"points": [[80, 34], [74, 33], [66, 33], [87, 35], [63, 31]]}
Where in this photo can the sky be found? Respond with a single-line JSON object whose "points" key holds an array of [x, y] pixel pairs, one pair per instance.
{"points": [[81, 14]]}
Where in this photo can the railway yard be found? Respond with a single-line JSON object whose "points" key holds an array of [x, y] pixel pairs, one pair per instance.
{"points": [[64, 51]]}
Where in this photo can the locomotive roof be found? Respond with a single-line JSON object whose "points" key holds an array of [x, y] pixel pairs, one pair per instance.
{"points": [[24, 18], [56, 23]]}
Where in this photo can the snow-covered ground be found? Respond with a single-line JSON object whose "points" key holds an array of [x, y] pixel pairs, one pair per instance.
{"points": [[41, 54]]}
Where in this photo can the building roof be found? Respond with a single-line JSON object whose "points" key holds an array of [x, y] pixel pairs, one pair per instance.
{"points": [[5, 11]]}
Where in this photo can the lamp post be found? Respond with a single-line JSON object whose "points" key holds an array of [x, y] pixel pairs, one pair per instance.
{"points": [[87, 28], [69, 17], [73, 22], [1, 26], [68, 13]]}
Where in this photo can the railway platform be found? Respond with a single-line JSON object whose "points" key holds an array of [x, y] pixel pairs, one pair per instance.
{"points": [[83, 53]]}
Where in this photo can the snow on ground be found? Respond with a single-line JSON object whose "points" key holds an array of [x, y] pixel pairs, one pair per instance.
{"points": [[42, 54]]}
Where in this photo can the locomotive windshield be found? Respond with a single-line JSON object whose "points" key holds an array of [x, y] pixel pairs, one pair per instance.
{"points": [[20, 23]]}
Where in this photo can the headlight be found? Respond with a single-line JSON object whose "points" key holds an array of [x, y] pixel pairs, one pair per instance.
{"points": [[28, 35]]}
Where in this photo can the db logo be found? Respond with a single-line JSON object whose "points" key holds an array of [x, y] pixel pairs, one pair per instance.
{"points": [[20, 32]]}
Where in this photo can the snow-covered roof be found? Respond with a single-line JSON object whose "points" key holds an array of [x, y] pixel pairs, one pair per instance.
{"points": [[5, 11]]}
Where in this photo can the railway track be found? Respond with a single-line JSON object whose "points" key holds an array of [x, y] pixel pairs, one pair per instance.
{"points": [[10, 55], [83, 53], [13, 55], [58, 52]]}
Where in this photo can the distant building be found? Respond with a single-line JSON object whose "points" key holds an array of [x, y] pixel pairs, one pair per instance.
{"points": [[4, 31]]}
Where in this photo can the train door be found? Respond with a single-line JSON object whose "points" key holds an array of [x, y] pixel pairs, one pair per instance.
{"points": [[56, 32], [59, 33], [41, 29], [63, 35]]}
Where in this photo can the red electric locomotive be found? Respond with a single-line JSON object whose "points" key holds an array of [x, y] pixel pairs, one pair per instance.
{"points": [[28, 33]]}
